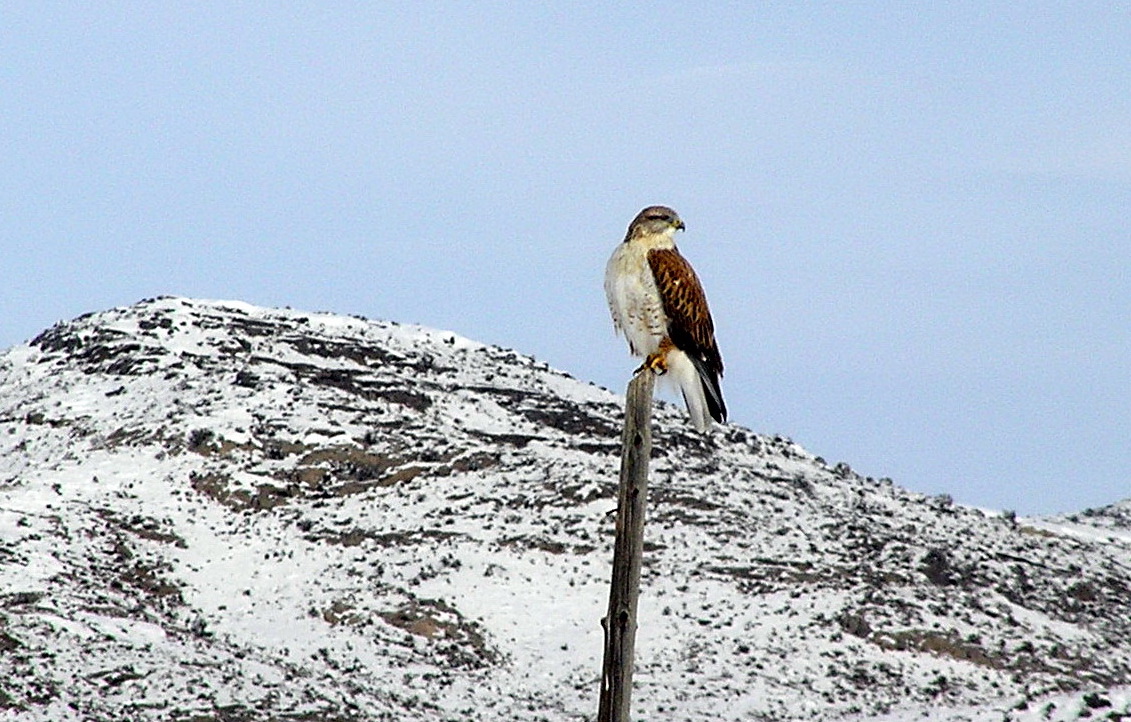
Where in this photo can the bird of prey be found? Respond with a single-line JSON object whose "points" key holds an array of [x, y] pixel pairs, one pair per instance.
{"points": [[658, 303]]}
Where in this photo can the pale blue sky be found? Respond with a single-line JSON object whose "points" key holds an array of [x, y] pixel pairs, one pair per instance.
{"points": [[912, 219]]}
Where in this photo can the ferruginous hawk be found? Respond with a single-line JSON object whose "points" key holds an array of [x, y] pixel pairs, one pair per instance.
{"points": [[658, 303]]}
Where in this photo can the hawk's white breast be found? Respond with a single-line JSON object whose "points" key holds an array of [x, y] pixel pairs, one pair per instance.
{"points": [[634, 299]]}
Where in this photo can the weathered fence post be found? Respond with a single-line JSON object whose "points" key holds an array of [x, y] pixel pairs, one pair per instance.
{"points": [[628, 549]]}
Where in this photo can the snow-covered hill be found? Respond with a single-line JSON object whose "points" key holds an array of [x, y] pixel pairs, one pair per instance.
{"points": [[212, 511]]}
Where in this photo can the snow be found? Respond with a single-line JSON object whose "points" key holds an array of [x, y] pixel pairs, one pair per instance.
{"points": [[1086, 532], [206, 505]]}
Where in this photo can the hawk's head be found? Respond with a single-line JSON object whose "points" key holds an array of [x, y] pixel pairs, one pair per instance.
{"points": [[654, 219]]}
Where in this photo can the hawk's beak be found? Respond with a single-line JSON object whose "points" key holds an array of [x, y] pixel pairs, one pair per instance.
{"points": [[679, 226]]}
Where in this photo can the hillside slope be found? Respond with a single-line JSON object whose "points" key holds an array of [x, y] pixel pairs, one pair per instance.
{"points": [[213, 511]]}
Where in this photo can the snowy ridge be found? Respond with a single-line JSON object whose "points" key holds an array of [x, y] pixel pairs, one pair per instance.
{"points": [[213, 511], [1110, 523]]}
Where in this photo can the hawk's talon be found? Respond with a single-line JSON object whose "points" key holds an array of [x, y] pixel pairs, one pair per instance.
{"points": [[648, 367], [654, 362]]}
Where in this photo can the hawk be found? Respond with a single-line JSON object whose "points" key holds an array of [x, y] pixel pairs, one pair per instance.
{"points": [[658, 303]]}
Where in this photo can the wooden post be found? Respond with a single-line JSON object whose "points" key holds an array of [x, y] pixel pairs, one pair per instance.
{"points": [[628, 550]]}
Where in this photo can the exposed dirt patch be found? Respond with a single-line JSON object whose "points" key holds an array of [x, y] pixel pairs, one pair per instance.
{"points": [[460, 641]]}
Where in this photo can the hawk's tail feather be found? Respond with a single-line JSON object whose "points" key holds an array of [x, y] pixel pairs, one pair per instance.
{"points": [[712, 391], [699, 387]]}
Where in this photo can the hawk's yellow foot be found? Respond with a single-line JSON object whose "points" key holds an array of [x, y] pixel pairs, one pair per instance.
{"points": [[656, 362]]}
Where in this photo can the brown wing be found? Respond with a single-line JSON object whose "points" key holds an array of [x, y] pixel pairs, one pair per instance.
{"points": [[689, 319]]}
